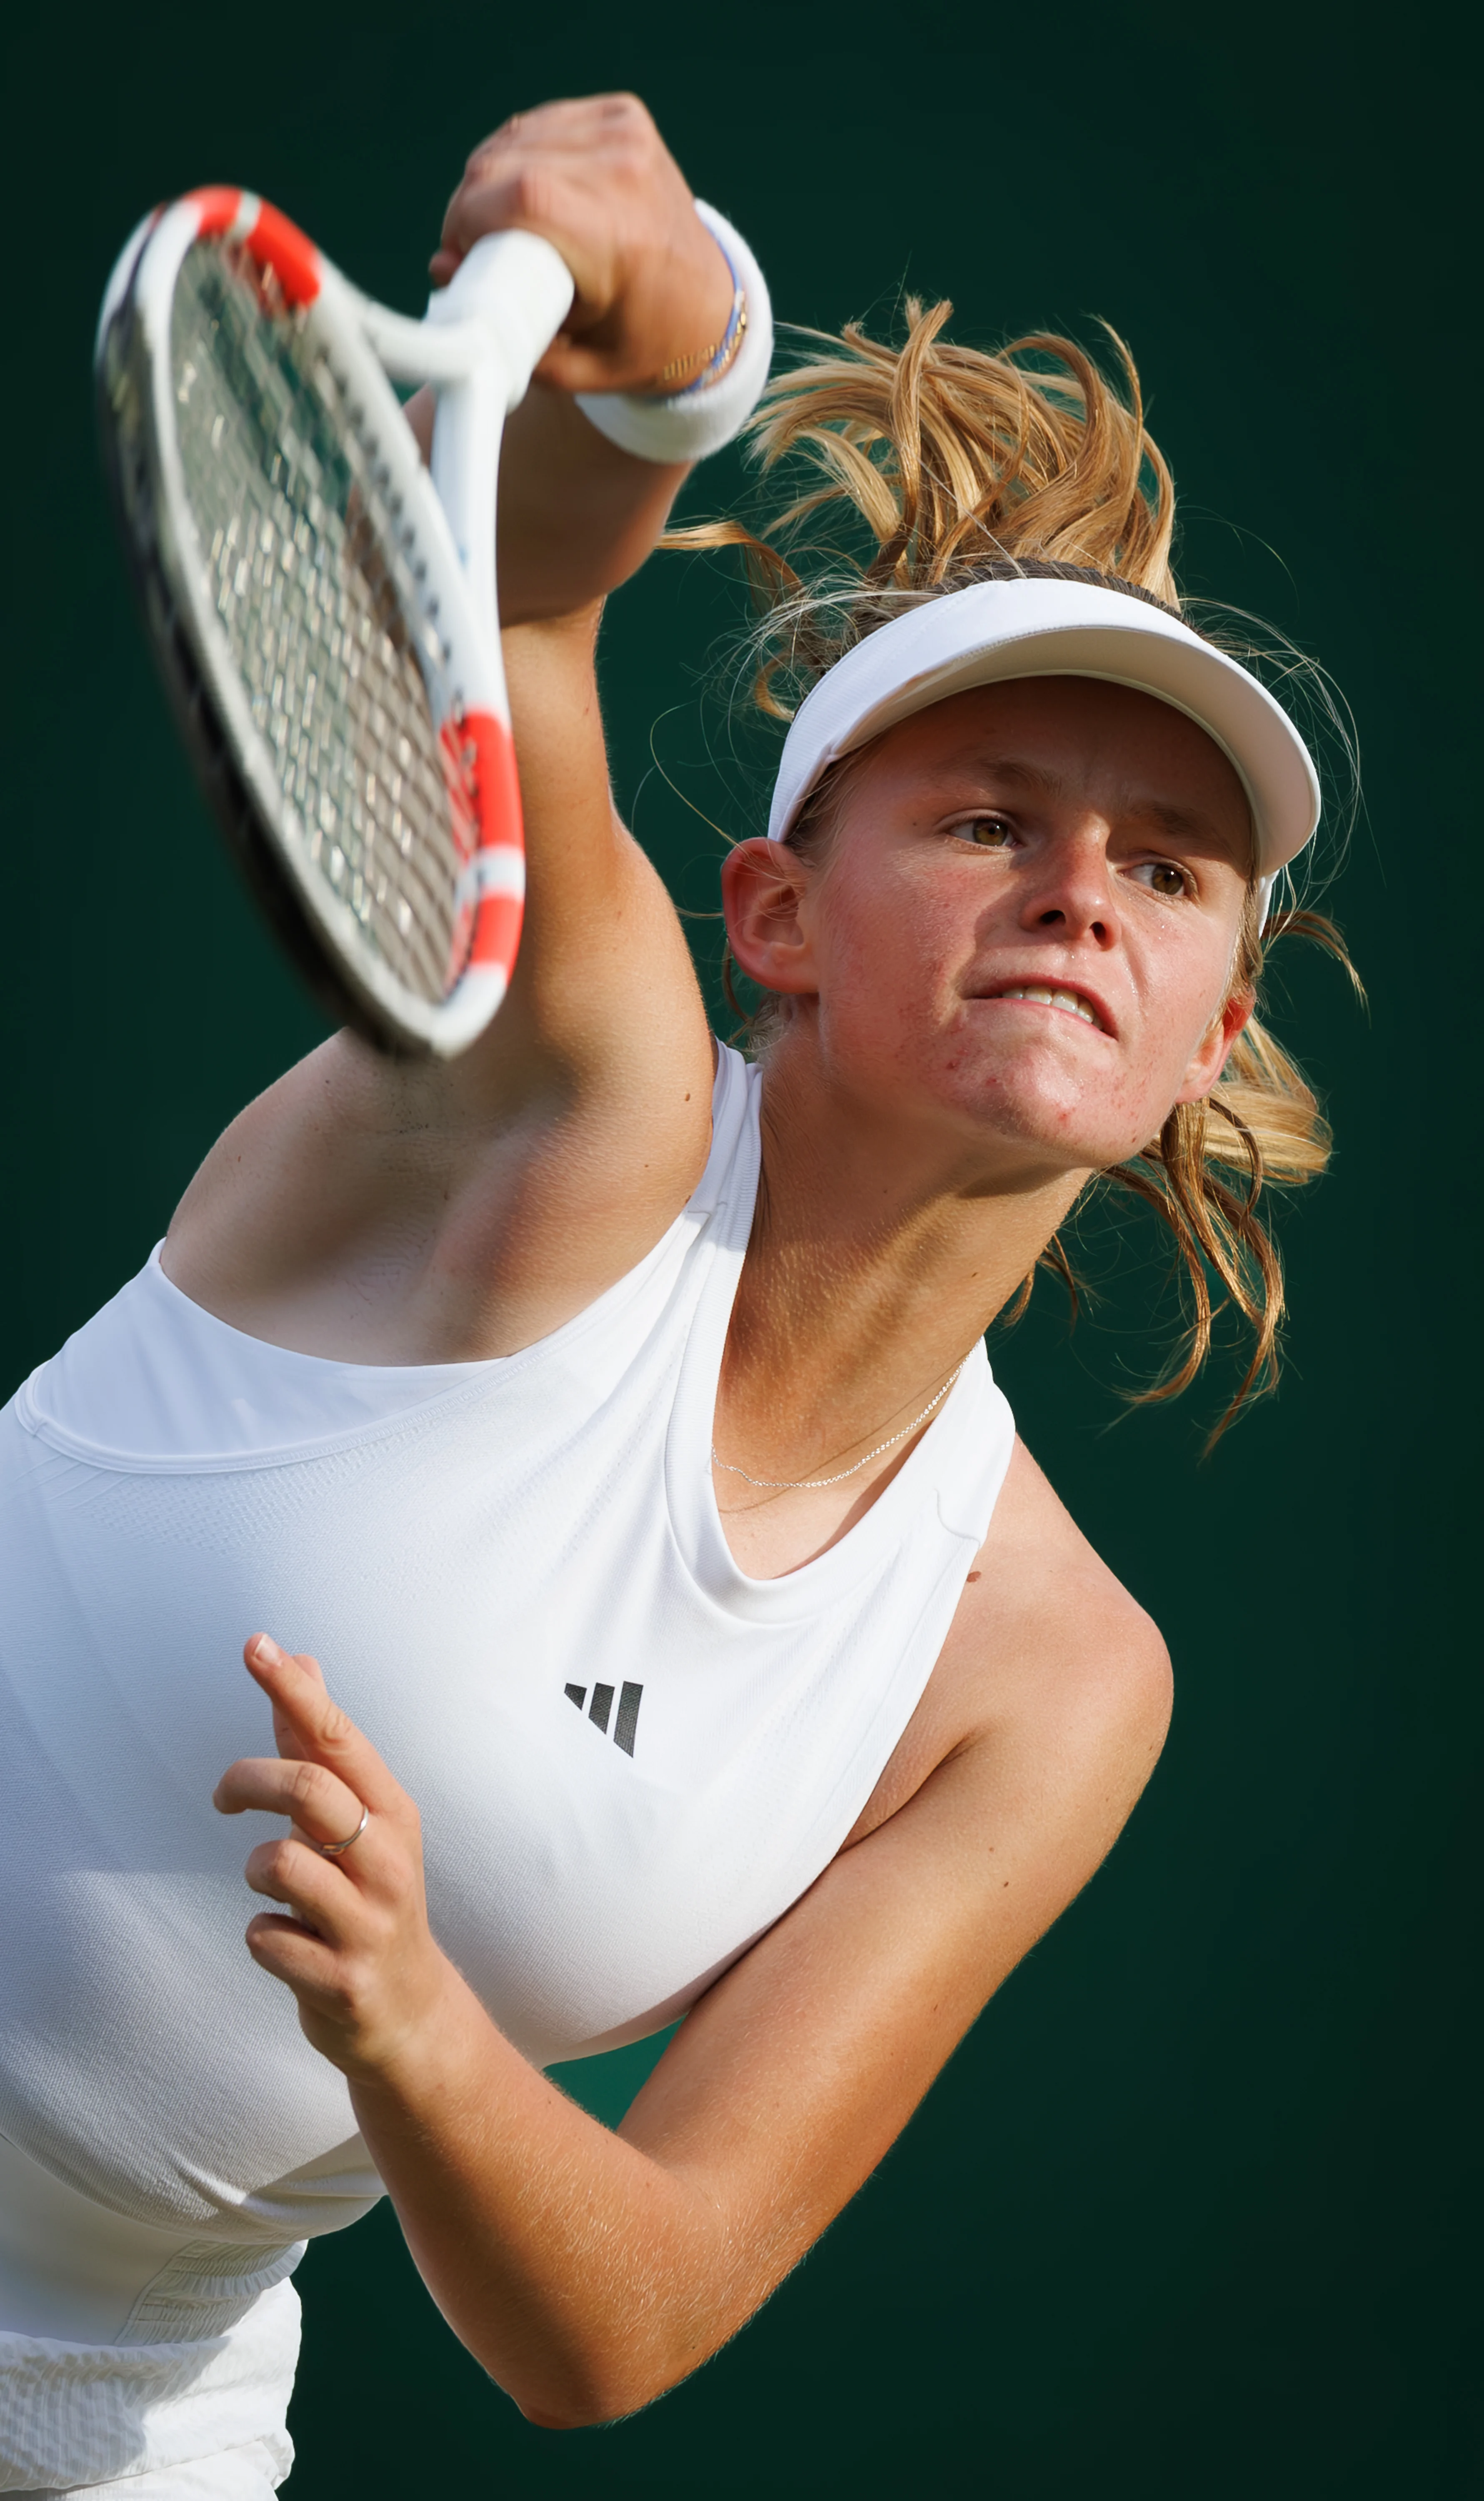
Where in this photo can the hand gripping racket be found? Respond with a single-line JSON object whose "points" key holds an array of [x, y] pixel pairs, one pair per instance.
{"points": [[323, 613]]}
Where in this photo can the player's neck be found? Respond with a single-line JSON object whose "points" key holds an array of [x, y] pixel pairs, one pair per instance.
{"points": [[877, 1260]]}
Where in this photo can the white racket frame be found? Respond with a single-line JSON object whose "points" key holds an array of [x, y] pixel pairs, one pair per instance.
{"points": [[481, 339]]}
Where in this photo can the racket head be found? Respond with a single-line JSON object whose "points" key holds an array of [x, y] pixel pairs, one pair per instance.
{"points": [[300, 587]]}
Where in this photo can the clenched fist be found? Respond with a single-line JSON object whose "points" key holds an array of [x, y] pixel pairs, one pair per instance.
{"points": [[653, 290]]}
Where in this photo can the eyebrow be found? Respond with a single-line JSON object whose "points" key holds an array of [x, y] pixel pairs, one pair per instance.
{"points": [[1177, 822], [976, 762], [1178, 825], [1011, 768]]}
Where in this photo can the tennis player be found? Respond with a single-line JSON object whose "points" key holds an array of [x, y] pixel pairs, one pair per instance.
{"points": [[609, 1414]]}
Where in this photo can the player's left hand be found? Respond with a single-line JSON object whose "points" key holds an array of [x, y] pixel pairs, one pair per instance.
{"points": [[353, 1943]]}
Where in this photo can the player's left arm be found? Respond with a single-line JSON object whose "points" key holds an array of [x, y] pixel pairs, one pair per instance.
{"points": [[589, 2271]]}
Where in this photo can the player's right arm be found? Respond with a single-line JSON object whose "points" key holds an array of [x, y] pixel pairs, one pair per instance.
{"points": [[393, 1212]]}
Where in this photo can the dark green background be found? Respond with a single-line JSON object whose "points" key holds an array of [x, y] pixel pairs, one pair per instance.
{"points": [[1188, 2217]]}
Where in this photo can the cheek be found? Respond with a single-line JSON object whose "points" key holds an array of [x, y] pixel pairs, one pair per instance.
{"points": [[889, 954], [1180, 1004], [1184, 1005]]}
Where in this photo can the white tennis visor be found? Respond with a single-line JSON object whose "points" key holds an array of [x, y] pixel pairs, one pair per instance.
{"points": [[995, 631]]}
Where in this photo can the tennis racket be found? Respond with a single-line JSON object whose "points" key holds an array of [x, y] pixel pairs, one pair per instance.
{"points": [[322, 611]]}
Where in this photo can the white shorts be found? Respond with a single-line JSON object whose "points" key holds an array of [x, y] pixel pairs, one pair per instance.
{"points": [[248, 2474], [137, 2364]]}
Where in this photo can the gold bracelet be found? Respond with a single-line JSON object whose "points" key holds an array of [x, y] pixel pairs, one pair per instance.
{"points": [[730, 347], [679, 365], [720, 356]]}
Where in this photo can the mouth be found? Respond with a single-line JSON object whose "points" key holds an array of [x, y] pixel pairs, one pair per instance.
{"points": [[1061, 997]]}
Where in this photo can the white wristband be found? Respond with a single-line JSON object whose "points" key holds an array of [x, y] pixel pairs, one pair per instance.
{"points": [[695, 422]]}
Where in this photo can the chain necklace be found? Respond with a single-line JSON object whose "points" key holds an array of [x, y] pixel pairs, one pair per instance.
{"points": [[813, 1484]]}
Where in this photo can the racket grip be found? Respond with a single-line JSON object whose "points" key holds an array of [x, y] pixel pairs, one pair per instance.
{"points": [[520, 287]]}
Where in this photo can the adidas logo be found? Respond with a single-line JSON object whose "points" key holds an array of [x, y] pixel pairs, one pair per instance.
{"points": [[600, 1709]]}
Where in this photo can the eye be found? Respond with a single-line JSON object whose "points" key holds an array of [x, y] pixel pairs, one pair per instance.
{"points": [[1163, 878], [986, 833]]}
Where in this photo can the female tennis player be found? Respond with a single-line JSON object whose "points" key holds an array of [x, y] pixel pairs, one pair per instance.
{"points": [[610, 1414]]}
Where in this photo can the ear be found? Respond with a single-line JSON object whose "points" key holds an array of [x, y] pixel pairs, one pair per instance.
{"points": [[764, 892], [1215, 1047]]}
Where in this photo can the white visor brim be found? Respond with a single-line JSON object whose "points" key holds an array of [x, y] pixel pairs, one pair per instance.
{"points": [[997, 631]]}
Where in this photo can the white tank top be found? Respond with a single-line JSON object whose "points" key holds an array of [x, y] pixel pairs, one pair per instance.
{"points": [[629, 1757]]}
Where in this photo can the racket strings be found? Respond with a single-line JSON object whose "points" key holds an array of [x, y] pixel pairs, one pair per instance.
{"points": [[321, 613]]}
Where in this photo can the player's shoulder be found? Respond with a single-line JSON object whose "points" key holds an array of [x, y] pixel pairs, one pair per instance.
{"points": [[1053, 1683], [1047, 1628]]}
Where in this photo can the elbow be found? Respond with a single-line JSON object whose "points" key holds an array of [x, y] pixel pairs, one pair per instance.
{"points": [[548, 2417], [584, 2408], [572, 2362], [589, 2390]]}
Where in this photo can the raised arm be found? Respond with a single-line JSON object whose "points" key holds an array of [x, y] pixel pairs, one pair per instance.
{"points": [[390, 1213]]}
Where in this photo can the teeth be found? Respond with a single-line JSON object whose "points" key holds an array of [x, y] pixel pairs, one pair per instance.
{"points": [[1047, 998], [1079, 1007]]}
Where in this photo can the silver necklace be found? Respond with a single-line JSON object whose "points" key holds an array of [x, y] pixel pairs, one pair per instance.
{"points": [[812, 1485]]}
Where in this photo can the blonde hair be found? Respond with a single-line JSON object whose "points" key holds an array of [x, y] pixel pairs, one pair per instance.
{"points": [[963, 467]]}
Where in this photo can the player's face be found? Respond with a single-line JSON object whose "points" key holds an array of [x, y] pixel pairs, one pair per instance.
{"points": [[1024, 929]]}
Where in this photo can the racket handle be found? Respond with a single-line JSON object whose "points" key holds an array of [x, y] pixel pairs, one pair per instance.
{"points": [[520, 286]]}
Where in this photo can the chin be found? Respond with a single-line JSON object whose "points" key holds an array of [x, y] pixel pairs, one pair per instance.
{"points": [[1035, 1103]]}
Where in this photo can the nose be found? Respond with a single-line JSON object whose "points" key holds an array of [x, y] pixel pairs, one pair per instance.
{"points": [[1070, 887]]}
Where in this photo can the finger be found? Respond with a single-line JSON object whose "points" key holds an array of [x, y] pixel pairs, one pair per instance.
{"points": [[563, 120], [581, 127], [317, 1802], [539, 198], [569, 366], [563, 170], [283, 1736], [312, 1889], [289, 1953], [319, 1729]]}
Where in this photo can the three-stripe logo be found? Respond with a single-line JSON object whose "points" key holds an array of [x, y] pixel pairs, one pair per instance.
{"points": [[600, 1710]]}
